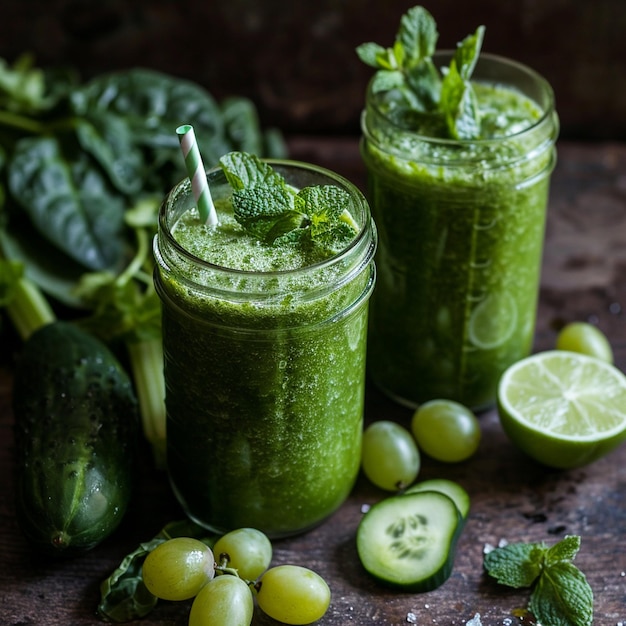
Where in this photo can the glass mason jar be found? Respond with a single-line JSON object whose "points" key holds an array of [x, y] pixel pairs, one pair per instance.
{"points": [[461, 228], [264, 372]]}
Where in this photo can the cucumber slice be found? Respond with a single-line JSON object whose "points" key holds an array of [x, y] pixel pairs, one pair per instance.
{"points": [[453, 490], [408, 541]]}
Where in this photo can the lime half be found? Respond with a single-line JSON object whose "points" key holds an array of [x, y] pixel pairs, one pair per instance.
{"points": [[564, 409]]}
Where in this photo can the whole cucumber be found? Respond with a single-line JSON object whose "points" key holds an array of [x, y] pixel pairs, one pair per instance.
{"points": [[76, 423]]}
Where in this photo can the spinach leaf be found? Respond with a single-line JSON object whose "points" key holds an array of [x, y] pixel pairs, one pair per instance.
{"points": [[153, 105], [108, 139], [68, 201]]}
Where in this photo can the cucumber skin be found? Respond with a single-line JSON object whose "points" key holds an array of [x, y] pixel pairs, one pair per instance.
{"points": [[76, 425]]}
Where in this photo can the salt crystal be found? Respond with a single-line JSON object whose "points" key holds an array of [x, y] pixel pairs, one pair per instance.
{"points": [[365, 508], [475, 621], [411, 618]]}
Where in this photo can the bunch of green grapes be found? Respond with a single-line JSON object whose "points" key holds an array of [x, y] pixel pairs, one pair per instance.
{"points": [[224, 581]]}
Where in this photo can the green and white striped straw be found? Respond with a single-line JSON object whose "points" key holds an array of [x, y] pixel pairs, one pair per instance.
{"points": [[197, 174]]}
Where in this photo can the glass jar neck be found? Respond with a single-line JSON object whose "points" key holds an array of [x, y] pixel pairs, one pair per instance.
{"points": [[388, 133], [309, 282]]}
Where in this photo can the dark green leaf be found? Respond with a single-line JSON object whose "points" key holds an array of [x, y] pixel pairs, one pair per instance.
{"points": [[68, 202], [274, 144], [467, 53], [516, 564], [22, 86], [263, 200], [333, 233], [247, 170], [408, 70], [458, 102], [123, 595], [562, 597], [152, 104], [119, 309], [564, 550], [374, 55], [285, 223], [49, 268], [327, 201], [417, 35], [425, 82], [241, 124], [108, 139], [386, 80], [261, 209]]}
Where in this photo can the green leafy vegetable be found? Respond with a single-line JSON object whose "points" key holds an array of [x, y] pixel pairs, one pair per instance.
{"points": [[407, 69], [271, 210], [83, 169], [561, 595], [123, 595]]}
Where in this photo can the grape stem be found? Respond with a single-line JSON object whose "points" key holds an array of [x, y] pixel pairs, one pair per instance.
{"points": [[222, 568]]}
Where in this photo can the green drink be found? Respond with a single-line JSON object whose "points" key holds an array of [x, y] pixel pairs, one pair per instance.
{"points": [[461, 226], [264, 362]]}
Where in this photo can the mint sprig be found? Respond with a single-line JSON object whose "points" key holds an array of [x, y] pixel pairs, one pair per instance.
{"points": [[268, 208], [407, 68], [561, 595]]}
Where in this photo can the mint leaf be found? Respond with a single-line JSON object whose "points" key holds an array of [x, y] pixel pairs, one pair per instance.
{"points": [[286, 223], [458, 103], [247, 170], [517, 564], [425, 82], [408, 68], [417, 36], [458, 100], [376, 56], [564, 550], [386, 80], [562, 597], [323, 203], [326, 206], [467, 53], [270, 210], [561, 594]]}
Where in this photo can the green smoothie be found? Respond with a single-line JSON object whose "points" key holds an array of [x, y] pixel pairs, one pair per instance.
{"points": [[460, 214], [264, 363]]}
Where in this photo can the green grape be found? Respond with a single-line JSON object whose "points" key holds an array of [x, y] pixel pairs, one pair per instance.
{"points": [[389, 458], [249, 551], [178, 568], [586, 339], [293, 595], [225, 601], [446, 430]]}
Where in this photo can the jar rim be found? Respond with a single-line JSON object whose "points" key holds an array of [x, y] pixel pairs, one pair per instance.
{"points": [[547, 107], [363, 239]]}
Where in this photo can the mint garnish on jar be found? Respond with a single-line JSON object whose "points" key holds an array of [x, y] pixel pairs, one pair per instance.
{"points": [[274, 212], [422, 95]]}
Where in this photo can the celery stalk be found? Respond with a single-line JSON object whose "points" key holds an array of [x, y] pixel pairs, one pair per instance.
{"points": [[28, 309], [146, 359]]}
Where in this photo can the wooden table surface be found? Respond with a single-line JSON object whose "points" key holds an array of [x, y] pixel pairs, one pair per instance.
{"points": [[513, 498]]}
